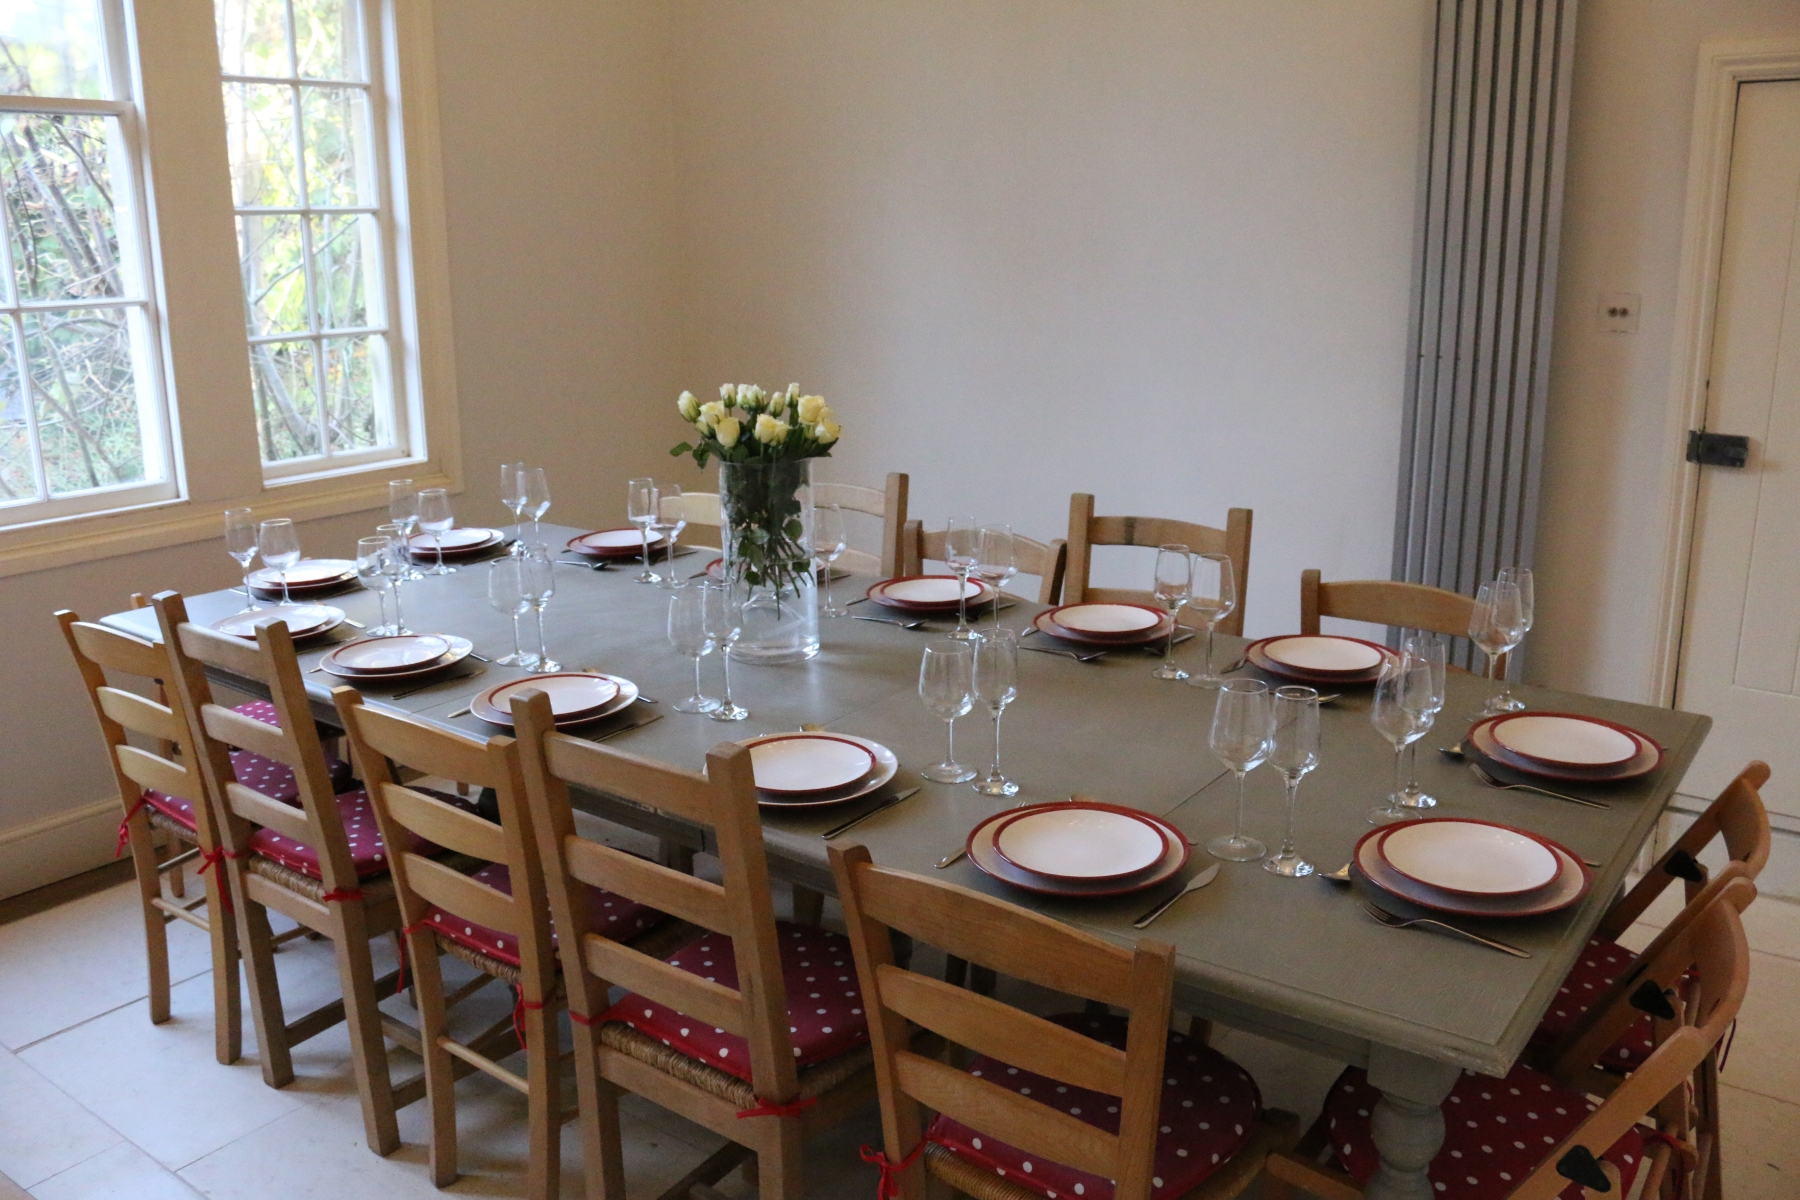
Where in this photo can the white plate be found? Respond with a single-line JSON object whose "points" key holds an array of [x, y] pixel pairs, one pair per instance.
{"points": [[1107, 618], [931, 590], [1569, 741], [396, 653], [486, 710], [988, 859], [460, 648], [570, 694], [887, 765], [1471, 858], [1571, 884], [302, 620], [471, 538], [808, 763], [310, 572], [617, 539], [1323, 653], [1080, 843]]}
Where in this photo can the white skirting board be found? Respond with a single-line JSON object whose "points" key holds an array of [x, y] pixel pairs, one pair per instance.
{"points": [[57, 847]]}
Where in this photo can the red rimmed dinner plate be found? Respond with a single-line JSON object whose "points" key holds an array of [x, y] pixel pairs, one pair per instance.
{"points": [[887, 765], [616, 543], [1564, 740], [460, 648], [385, 655], [574, 697], [929, 593], [806, 764], [1324, 654], [1470, 858], [1080, 843], [988, 859], [1572, 883], [302, 620], [1108, 622], [1262, 662], [458, 543], [1647, 759], [308, 574], [1045, 623]]}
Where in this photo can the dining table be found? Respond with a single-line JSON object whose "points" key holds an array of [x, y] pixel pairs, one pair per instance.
{"points": [[1297, 960]]}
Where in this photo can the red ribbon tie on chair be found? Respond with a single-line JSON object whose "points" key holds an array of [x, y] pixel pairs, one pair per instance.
{"points": [[889, 1186], [520, 1008], [339, 895], [768, 1108], [214, 860], [125, 825], [576, 1017], [406, 932]]}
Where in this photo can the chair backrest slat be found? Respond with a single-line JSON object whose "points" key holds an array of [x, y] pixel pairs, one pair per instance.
{"points": [[680, 990], [626, 775], [151, 771], [247, 733], [694, 900], [889, 504], [141, 715], [1384, 602], [251, 805], [435, 821], [224, 651], [436, 884], [423, 746], [1087, 531], [1004, 1114], [1047, 562], [695, 508], [117, 651]]}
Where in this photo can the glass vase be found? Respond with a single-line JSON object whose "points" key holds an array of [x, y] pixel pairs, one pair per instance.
{"points": [[764, 511]]}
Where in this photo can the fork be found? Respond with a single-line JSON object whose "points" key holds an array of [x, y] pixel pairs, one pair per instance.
{"points": [[1384, 917], [1076, 655], [891, 621], [1526, 787]]}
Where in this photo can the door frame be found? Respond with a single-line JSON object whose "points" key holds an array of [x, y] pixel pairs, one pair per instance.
{"points": [[1723, 66]]}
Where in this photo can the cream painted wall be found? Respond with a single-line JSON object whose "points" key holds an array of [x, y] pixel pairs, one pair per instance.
{"points": [[1603, 500]]}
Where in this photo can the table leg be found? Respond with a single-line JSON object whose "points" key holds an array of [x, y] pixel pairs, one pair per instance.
{"points": [[1408, 1122]]}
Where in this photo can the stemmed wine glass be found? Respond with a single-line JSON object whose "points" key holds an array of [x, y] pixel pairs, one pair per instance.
{"points": [[512, 494], [724, 622], [280, 545], [240, 543], [397, 565], [506, 593], [997, 685], [962, 550], [689, 636], [996, 563], [1402, 714], [1434, 650], [1527, 585], [436, 519], [403, 510], [1173, 585], [1293, 752], [371, 570], [671, 519], [640, 506], [537, 500], [537, 583], [827, 546], [1242, 727], [1497, 624], [1214, 597], [946, 686]]}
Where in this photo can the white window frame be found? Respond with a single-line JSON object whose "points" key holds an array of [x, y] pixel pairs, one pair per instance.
{"points": [[197, 290]]}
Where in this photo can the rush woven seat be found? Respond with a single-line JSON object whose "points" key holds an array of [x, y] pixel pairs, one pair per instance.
{"points": [[815, 1080]]}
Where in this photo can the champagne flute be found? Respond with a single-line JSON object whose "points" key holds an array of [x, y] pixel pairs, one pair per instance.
{"points": [[1434, 650], [962, 550], [1242, 727], [1174, 583], [996, 563], [1527, 585], [1214, 598], [280, 545], [397, 565], [537, 581], [1497, 624], [403, 510], [436, 519], [688, 634], [640, 506], [1293, 752], [997, 685], [240, 543], [946, 686], [827, 546], [1402, 714], [371, 553], [506, 593], [671, 519], [537, 501], [512, 494], [724, 601]]}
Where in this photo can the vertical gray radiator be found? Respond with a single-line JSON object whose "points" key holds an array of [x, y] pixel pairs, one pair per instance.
{"points": [[1485, 290]]}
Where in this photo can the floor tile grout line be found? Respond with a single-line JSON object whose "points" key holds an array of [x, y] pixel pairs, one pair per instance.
{"points": [[1794, 1104], [177, 1171], [123, 1141], [173, 984]]}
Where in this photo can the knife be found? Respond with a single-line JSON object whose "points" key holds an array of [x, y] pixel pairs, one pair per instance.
{"points": [[853, 822]]}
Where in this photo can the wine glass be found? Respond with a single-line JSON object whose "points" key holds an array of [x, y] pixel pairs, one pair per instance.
{"points": [[688, 634], [371, 570], [1527, 585], [640, 506], [1214, 597], [436, 519], [1434, 650], [1402, 714], [962, 550], [403, 510], [827, 546], [537, 500], [1293, 752], [997, 685], [671, 519], [537, 582], [1242, 727], [996, 563], [280, 545], [1497, 624], [946, 685], [240, 543], [724, 601], [397, 566], [1174, 583], [512, 494], [506, 593]]}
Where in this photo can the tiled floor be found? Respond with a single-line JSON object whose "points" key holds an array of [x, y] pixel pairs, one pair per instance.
{"points": [[98, 1104]]}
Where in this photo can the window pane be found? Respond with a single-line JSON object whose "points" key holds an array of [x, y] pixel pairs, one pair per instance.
{"points": [[84, 391], [51, 48], [336, 124], [354, 375], [287, 400], [345, 260], [59, 206], [17, 481], [328, 39], [259, 122], [274, 271], [253, 37]]}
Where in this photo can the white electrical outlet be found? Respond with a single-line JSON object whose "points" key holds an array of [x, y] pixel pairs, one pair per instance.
{"points": [[1618, 312]]}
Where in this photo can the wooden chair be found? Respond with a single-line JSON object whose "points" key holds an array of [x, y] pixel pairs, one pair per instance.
{"points": [[772, 1047], [1032, 1104], [1697, 979], [889, 505], [1386, 602], [1048, 563], [295, 858], [1087, 531], [158, 791], [699, 509]]}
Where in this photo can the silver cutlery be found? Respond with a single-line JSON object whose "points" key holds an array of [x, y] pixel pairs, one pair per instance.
{"points": [[649, 720], [1076, 655], [1341, 875], [592, 566], [478, 657], [355, 622], [891, 621], [1384, 917], [1327, 699], [461, 712], [1193, 885], [1526, 787], [853, 822], [426, 687], [858, 600], [1241, 663], [1455, 752]]}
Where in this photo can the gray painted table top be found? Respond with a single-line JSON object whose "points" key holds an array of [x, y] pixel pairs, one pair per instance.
{"points": [[1293, 959]]}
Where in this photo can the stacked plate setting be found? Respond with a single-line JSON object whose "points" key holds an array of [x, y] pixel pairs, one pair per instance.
{"points": [[1472, 868], [1105, 624], [931, 595], [1078, 848], [400, 656], [614, 545], [457, 544], [1564, 746], [808, 769], [1319, 659], [310, 577], [577, 698], [302, 620]]}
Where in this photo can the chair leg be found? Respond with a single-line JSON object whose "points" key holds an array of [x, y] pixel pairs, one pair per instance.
{"points": [[141, 838], [783, 1173], [809, 906], [257, 944], [1200, 1030], [440, 1076], [228, 1003], [368, 1048], [602, 1155], [543, 1070]]}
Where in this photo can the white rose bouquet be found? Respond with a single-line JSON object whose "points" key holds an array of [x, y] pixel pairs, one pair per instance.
{"points": [[748, 425]]}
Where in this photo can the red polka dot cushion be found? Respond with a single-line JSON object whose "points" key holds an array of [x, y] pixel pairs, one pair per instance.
{"points": [[1600, 963], [1496, 1132], [172, 807], [276, 780], [825, 1016], [366, 848], [1210, 1107], [608, 914]]}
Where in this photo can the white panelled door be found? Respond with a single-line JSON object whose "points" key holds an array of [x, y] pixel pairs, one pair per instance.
{"points": [[1740, 660]]}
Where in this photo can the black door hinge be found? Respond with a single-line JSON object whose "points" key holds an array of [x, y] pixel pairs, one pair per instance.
{"points": [[1717, 449]]}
